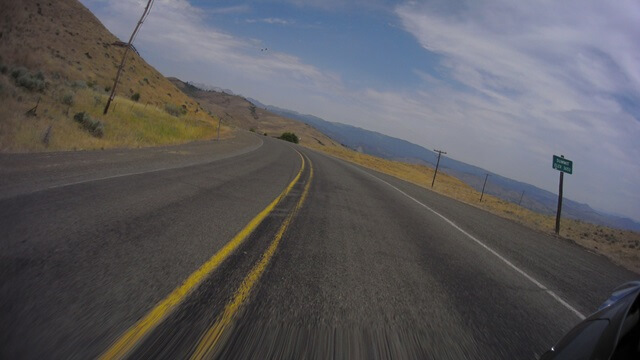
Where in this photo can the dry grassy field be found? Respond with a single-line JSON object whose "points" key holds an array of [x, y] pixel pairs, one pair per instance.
{"points": [[621, 246], [57, 55]]}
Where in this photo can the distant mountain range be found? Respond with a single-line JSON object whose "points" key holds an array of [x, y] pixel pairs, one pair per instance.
{"points": [[374, 143]]}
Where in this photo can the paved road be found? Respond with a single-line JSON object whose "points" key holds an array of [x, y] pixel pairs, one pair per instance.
{"points": [[183, 252]]}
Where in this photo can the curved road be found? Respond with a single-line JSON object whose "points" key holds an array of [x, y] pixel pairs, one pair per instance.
{"points": [[183, 252]]}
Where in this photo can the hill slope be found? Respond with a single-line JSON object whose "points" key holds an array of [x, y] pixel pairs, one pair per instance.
{"points": [[237, 111], [59, 54]]}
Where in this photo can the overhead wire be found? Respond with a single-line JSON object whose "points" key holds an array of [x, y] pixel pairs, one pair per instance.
{"points": [[144, 17]]}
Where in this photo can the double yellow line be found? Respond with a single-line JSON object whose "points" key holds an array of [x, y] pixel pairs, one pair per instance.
{"points": [[128, 341], [207, 345]]}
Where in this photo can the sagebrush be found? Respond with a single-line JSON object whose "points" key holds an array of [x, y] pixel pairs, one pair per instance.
{"points": [[94, 126]]}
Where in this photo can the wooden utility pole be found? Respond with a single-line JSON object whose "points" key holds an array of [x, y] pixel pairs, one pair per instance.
{"points": [[147, 9], [485, 184], [219, 122], [440, 152], [521, 195]]}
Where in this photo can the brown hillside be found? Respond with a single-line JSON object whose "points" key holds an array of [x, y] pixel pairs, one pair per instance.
{"points": [[58, 52], [237, 111]]}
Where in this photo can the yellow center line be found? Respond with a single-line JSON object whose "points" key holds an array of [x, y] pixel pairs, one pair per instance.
{"points": [[139, 330], [211, 338]]}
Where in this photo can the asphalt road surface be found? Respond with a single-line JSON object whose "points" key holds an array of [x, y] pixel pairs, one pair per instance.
{"points": [[257, 248]]}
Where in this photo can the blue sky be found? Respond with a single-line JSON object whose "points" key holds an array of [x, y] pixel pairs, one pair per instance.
{"points": [[367, 44], [500, 84]]}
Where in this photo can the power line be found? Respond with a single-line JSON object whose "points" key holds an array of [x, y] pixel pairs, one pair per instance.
{"points": [[146, 12]]}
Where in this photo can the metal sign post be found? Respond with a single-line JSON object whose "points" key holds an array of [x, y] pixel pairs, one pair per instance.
{"points": [[564, 166]]}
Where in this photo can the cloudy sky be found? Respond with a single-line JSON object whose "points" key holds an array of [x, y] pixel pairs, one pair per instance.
{"points": [[499, 84]]}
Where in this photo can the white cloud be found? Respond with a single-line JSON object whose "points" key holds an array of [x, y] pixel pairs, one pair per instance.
{"points": [[176, 32], [521, 81], [545, 77], [276, 21], [229, 9]]}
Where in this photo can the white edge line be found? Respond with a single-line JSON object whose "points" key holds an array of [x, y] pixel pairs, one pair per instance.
{"points": [[147, 172], [520, 271]]}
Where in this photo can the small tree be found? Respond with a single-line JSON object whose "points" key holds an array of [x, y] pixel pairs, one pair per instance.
{"points": [[290, 137], [135, 97]]}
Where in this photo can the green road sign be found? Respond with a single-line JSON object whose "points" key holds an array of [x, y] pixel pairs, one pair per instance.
{"points": [[562, 164]]}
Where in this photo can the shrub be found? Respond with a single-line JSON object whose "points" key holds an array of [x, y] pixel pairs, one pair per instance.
{"points": [[67, 99], [93, 126], [252, 130], [107, 88], [174, 110], [290, 137], [18, 72], [79, 84], [3, 69], [31, 82], [92, 83], [135, 97]]}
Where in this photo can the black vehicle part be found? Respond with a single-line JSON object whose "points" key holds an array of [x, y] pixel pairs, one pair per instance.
{"points": [[613, 332]]}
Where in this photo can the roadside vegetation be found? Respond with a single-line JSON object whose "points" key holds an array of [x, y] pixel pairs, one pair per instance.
{"points": [[94, 126], [289, 136], [65, 65], [74, 120], [622, 246]]}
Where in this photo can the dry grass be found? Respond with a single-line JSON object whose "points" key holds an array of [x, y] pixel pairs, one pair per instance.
{"points": [[128, 123], [622, 246], [75, 53]]}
